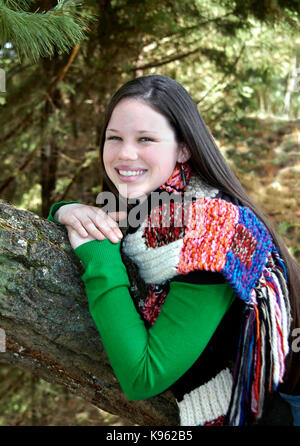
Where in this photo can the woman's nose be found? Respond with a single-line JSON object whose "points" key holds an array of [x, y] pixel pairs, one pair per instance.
{"points": [[128, 151]]}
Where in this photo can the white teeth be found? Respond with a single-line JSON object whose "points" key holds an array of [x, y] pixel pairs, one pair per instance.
{"points": [[128, 173]]}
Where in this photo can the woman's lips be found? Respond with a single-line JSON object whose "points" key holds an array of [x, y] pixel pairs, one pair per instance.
{"points": [[130, 178]]}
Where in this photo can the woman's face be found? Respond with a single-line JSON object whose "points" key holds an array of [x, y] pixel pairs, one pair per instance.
{"points": [[140, 150]]}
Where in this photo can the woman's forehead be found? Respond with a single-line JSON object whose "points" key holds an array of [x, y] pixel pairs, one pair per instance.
{"points": [[136, 114]]}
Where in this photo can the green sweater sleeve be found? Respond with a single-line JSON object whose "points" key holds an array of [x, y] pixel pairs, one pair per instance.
{"points": [[147, 361], [55, 207]]}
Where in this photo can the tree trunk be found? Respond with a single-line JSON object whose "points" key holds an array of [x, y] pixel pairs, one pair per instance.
{"points": [[49, 154], [47, 325]]}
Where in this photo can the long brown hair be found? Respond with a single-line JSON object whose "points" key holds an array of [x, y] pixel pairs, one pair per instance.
{"points": [[170, 98]]}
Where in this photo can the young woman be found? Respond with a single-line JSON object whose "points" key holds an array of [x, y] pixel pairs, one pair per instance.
{"points": [[222, 292]]}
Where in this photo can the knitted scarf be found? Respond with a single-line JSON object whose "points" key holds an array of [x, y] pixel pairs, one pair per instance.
{"points": [[222, 237]]}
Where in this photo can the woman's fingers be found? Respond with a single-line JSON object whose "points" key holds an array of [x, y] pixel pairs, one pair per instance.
{"points": [[88, 221], [108, 227], [77, 225], [101, 226]]}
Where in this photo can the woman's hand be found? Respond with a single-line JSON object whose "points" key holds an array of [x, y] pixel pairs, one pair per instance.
{"points": [[75, 239], [85, 223]]}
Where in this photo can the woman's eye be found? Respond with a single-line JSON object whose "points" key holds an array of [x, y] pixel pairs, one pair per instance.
{"points": [[145, 139], [117, 138]]}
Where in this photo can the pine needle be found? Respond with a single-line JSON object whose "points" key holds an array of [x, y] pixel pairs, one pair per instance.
{"points": [[18, 5], [40, 33]]}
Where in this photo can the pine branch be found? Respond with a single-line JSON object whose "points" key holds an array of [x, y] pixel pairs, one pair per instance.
{"points": [[39, 34]]}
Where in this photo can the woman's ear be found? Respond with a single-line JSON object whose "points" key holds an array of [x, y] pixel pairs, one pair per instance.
{"points": [[183, 153]]}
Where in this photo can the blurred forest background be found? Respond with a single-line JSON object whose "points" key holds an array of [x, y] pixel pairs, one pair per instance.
{"points": [[61, 61]]}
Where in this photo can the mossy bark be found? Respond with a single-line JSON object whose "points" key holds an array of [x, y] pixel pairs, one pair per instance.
{"points": [[47, 325]]}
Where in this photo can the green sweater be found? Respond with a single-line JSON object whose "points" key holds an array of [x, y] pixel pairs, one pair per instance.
{"points": [[147, 361]]}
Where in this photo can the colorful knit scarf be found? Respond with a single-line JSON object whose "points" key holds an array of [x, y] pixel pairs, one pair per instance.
{"points": [[222, 237]]}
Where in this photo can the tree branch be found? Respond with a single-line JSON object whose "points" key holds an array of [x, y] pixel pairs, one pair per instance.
{"points": [[68, 65], [166, 61], [49, 331]]}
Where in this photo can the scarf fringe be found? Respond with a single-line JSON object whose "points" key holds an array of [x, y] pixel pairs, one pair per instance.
{"points": [[263, 345]]}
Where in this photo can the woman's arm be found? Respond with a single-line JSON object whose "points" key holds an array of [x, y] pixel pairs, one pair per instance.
{"points": [[147, 362]]}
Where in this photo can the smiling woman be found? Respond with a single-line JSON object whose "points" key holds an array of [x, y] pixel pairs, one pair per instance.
{"points": [[222, 291], [143, 163]]}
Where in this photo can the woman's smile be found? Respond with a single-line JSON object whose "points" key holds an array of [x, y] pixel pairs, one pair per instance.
{"points": [[130, 174]]}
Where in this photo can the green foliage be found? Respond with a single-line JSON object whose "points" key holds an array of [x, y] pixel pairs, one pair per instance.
{"points": [[36, 35], [20, 5]]}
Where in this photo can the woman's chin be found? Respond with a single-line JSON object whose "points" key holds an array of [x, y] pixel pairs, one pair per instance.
{"points": [[135, 196], [131, 193]]}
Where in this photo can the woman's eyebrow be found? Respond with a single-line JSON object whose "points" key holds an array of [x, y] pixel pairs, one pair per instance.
{"points": [[139, 131]]}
